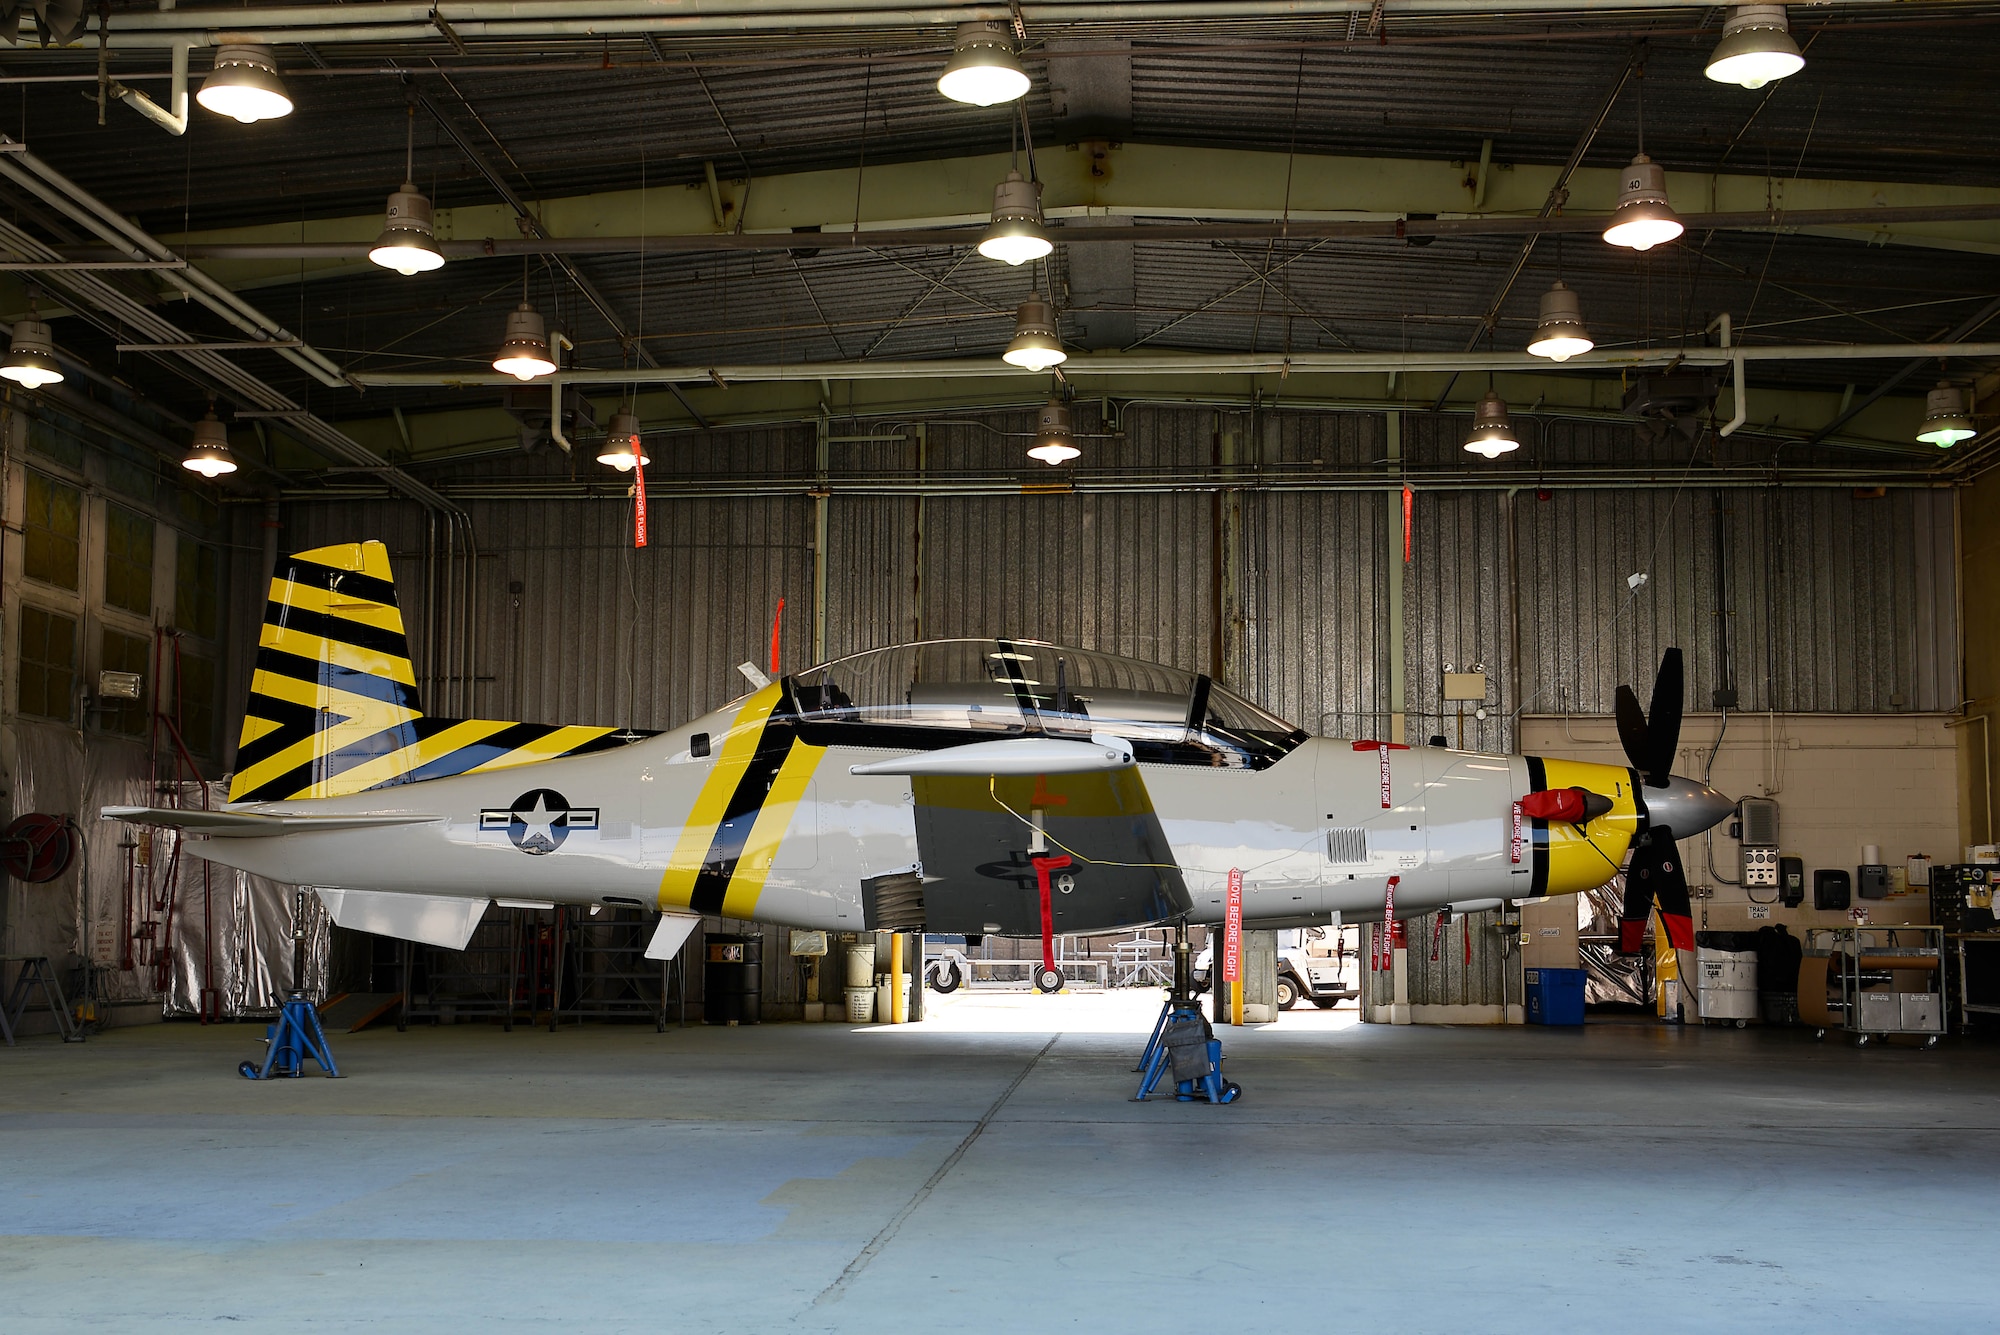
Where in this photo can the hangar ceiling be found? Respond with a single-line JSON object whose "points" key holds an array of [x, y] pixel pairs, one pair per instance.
{"points": [[1304, 205]]}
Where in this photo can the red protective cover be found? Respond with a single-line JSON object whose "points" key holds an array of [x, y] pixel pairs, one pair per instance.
{"points": [[1564, 804]]}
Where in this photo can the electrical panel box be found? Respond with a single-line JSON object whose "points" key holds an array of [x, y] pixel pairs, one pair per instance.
{"points": [[1791, 882], [1759, 817], [1760, 866], [1871, 881], [1756, 832]]}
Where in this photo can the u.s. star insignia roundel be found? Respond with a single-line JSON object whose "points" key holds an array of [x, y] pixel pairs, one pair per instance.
{"points": [[539, 820]]}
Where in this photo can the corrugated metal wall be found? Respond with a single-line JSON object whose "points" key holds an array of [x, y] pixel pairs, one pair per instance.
{"points": [[1828, 602]]}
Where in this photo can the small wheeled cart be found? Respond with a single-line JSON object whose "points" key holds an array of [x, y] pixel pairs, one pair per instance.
{"points": [[1873, 982]]}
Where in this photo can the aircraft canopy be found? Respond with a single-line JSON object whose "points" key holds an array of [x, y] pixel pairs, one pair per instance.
{"points": [[1007, 687]]}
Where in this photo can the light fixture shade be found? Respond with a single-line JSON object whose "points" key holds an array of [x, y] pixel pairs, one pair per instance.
{"points": [[622, 449], [245, 84], [31, 358], [208, 452], [1055, 439], [1644, 218], [1756, 47], [407, 244], [1037, 345], [1945, 420], [1560, 333], [983, 69], [524, 352], [1492, 432], [1015, 236]]}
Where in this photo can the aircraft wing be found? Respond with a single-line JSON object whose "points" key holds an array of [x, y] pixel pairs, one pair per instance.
{"points": [[250, 824], [976, 818]]}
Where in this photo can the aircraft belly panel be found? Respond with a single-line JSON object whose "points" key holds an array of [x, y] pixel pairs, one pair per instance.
{"points": [[974, 835]]}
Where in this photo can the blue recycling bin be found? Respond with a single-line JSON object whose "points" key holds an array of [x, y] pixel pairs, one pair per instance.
{"points": [[1555, 996]]}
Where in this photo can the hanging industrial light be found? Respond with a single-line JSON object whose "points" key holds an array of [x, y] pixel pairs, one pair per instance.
{"points": [[245, 84], [407, 243], [1560, 333], [524, 351], [1492, 432], [1756, 47], [1055, 440], [983, 69], [622, 449], [1644, 218], [1945, 419], [1015, 235], [208, 452], [31, 357], [1037, 344]]}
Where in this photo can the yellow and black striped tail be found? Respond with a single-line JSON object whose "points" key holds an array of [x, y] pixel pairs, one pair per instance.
{"points": [[333, 703]]}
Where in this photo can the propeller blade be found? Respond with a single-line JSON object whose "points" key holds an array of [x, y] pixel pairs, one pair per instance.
{"points": [[1632, 919], [1656, 877], [1663, 721], [1675, 909], [1632, 731]]}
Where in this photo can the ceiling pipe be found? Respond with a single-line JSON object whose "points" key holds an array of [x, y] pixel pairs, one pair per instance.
{"points": [[1123, 482], [175, 121], [31, 173], [372, 23], [1199, 363], [1087, 233]]}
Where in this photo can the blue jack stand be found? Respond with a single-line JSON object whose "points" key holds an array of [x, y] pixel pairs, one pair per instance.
{"points": [[1183, 1040], [295, 1037]]}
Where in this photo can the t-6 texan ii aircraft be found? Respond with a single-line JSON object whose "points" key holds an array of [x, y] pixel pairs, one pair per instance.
{"points": [[963, 786]]}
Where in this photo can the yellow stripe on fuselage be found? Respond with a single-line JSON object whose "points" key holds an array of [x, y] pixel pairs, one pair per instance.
{"points": [[560, 742], [1584, 859], [773, 819], [711, 804], [400, 762]]}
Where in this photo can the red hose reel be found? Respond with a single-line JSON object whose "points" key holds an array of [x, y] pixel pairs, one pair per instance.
{"points": [[37, 848]]}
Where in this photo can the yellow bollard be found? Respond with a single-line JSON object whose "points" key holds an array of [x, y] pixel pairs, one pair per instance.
{"points": [[899, 997]]}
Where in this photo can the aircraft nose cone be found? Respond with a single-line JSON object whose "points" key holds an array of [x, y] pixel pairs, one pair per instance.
{"points": [[1687, 806]]}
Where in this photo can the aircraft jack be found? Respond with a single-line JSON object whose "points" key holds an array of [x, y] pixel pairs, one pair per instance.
{"points": [[297, 1034], [295, 1037], [1183, 1040]]}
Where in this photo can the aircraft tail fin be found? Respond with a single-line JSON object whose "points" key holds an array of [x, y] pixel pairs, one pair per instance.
{"points": [[333, 704]]}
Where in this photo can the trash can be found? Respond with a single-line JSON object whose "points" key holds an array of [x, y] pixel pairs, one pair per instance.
{"points": [[1555, 996], [732, 979]]}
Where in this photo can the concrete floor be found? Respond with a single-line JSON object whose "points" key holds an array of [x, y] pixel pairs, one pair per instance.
{"points": [[985, 1171]]}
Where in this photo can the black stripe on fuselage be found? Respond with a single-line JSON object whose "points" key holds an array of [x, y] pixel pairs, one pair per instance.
{"points": [[1538, 880], [774, 743]]}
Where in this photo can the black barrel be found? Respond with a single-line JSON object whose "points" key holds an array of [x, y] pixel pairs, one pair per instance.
{"points": [[732, 979]]}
